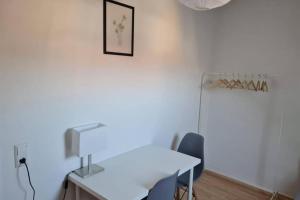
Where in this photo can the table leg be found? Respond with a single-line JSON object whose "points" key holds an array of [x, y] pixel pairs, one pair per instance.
{"points": [[77, 192], [190, 194]]}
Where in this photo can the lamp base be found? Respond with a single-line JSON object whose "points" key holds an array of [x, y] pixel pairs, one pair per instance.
{"points": [[84, 171]]}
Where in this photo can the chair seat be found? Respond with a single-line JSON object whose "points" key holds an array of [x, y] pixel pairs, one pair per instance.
{"points": [[164, 189], [181, 184]]}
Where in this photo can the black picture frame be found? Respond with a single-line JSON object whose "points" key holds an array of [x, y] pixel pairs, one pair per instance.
{"points": [[105, 50]]}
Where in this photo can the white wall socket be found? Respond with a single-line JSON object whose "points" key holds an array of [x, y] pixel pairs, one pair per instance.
{"points": [[20, 152]]}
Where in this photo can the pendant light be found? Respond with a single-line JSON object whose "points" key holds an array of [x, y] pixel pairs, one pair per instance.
{"points": [[204, 4]]}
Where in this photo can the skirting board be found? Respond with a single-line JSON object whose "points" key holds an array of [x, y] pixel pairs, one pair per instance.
{"points": [[283, 197], [245, 185]]}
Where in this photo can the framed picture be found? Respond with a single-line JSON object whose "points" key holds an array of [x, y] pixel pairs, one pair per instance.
{"points": [[118, 28]]}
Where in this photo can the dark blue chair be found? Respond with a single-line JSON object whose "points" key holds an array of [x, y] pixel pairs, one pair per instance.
{"points": [[164, 189], [192, 144]]}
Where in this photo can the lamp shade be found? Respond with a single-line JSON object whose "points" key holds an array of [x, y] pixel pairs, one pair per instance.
{"points": [[88, 139], [204, 4]]}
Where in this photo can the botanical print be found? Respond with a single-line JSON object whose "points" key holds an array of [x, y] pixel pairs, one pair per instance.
{"points": [[119, 28]]}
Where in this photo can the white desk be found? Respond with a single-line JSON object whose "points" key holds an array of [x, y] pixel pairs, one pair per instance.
{"points": [[131, 175]]}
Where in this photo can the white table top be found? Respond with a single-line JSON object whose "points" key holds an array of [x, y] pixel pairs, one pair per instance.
{"points": [[131, 175]]}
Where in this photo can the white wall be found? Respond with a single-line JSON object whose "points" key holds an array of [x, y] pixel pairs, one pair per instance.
{"points": [[258, 37], [1, 176], [53, 76]]}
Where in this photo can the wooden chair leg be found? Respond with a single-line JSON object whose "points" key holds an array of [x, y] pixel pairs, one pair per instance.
{"points": [[194, 194], [177, 196]]}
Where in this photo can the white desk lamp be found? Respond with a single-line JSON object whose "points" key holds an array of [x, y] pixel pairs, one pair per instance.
{"points": [[86, 140]]}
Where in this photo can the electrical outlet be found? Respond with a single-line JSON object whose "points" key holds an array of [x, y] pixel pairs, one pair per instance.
{"points": [[20, 152]]}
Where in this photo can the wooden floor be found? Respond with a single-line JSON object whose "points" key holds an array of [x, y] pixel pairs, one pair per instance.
{"points": [[212, 186]]}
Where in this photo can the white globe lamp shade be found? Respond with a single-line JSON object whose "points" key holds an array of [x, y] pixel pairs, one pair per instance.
{"points": [[204, 4]]}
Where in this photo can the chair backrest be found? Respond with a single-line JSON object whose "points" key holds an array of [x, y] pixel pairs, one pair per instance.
{"points": [[192, 144], [164, 189]]}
